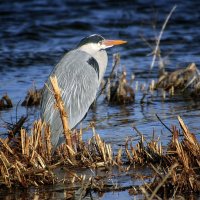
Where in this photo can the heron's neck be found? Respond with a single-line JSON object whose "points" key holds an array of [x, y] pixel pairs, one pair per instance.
{"points": [[100, 56], [102, 59]]}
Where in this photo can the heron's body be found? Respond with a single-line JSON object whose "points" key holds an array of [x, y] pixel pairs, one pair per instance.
{"points": [[79, 74]]}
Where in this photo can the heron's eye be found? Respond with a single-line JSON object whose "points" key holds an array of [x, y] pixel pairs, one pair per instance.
{"points": [[100, 43]]}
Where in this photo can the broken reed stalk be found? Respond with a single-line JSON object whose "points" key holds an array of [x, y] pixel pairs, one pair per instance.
{"points": [[63, 113], [156, 50]]}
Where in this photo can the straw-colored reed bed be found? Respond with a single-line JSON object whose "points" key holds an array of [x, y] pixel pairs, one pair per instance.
{"points": [[176, 167], [28, 160]]}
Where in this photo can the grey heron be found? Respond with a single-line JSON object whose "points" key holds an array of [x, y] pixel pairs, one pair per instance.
{"points": [[79, 74]]}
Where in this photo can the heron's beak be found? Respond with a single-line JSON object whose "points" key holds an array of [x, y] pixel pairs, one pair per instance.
{"points": [[110, 43]]}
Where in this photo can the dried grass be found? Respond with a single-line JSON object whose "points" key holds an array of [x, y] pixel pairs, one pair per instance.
{"points": [[24, 159], [177, 167], [28, 159]]}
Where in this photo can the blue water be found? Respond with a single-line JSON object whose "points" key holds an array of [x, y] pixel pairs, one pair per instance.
{"points": [[34, 35]]}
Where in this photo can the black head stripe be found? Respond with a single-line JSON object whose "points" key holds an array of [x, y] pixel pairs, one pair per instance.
{"points": [[93, 63], [91, 39]]}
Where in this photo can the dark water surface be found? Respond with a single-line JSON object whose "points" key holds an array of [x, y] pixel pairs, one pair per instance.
{"points": [[34, 35]]}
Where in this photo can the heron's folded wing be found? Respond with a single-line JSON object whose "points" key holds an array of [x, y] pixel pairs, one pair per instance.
{"points": [[79, 83]]}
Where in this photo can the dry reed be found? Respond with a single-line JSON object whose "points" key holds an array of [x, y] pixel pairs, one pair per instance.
{"points": [[33, 97], [178, 166], [119, 89], [5, 102]]}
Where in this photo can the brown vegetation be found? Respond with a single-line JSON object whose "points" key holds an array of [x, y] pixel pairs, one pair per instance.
{"points": [[119, 89], [176, 168], [5, 102], [33, 97], [180, 79]]}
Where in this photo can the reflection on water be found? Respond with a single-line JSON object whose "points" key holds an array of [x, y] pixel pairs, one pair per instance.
{"points": [[35, 34], [75, 191]]}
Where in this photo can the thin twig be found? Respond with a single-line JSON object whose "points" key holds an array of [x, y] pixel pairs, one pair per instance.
{"points": [[160, 36], [139, 133], [164, 124]]}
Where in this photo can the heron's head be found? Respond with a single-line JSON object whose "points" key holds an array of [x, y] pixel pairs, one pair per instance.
{"points": [[97, 43]]}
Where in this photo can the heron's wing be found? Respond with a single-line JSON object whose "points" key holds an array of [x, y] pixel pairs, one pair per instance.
{"points": [[79, 83]]}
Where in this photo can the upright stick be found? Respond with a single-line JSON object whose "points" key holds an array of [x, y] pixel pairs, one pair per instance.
{"points": [[63, 113]]}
